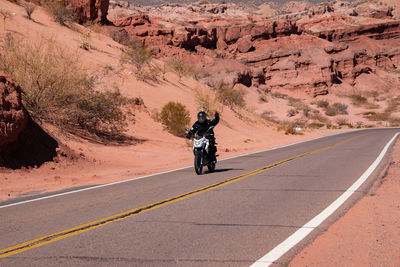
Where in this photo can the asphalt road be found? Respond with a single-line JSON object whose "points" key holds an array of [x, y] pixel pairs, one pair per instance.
{"points": [[230, 223]]}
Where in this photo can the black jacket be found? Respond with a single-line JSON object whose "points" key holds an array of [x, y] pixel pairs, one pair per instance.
{"points": [[201, 128]]}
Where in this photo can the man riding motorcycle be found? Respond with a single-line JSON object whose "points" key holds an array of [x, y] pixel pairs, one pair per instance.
{"points": [[201, 126]]}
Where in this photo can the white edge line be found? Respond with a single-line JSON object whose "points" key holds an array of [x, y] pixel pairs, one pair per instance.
{"points": [[160, 173], [300, 234]]}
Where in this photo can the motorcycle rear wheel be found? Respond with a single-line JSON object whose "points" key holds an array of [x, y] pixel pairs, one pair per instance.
{"points": [[198, 164], [211, 167]]}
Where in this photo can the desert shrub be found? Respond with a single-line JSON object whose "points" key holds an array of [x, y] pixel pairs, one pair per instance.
{"points": [[175, 117], [57, 89], [230, 96], [322, 103], [316, 125], [279, 95], [85, 41], [139, 56], [268, 116], [359, 124], [292, 112], [330, 111], [29, 9], [207, 102], [180, 66], [60, 12], [369, 105], [373, 94], [262, 99], [358, 99], [203, 2], [368, 113], [384, 116], [122, 36], [392, 104], [342, 121], [6, 15], [340, 108], [319, 117], [335, 109]]}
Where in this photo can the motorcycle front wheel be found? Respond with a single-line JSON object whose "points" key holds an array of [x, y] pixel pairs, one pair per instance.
{"points": [[198, 164]]}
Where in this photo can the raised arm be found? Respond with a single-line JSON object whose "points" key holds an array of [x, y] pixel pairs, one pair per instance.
{"points": [[215, 121]]}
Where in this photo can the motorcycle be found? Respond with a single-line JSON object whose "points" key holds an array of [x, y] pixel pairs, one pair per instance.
{"points": [[201, 151]]}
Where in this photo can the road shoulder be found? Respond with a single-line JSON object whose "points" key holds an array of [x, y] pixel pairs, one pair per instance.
{"points": [[368, 234]]}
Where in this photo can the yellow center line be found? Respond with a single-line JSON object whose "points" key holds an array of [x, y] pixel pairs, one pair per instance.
{"points": [[117, 217]]}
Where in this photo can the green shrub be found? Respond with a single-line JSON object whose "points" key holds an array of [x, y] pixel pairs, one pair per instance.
{"points": [[58, 90], [175, 117], [229, 96], [59, 12]]}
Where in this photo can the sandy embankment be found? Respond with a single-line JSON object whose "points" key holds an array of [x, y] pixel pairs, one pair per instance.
{"points": [[368, 234]]}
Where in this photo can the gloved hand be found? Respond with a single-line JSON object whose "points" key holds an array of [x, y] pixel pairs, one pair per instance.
{"points": [[188, 136], [216, 114]]}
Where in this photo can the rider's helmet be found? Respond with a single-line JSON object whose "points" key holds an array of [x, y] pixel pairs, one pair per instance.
{"points": [[201, 116]]}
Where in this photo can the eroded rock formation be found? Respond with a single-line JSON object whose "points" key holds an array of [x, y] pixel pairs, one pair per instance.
{"points": [[13, 116], [310, 49]]}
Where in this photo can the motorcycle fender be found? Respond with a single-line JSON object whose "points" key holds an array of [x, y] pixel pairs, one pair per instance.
{"points": [[197, 152]]}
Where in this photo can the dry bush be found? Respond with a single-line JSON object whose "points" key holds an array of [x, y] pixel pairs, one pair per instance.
{"points": [[289, 127], [358, 99], [340, 108], [268, 116], [392, 104], [175, 117], [57, 89], [342, 121], [384, 116], [316, 125], [139, 56], [229, 96], [180, 66], [29, 9], [123, 37], [279, 95], [60, 12], [336, 109], [207, 101], [292, 112], [299, 105], [6, 15], [319, 117], [322, 103], [86, 41]]}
